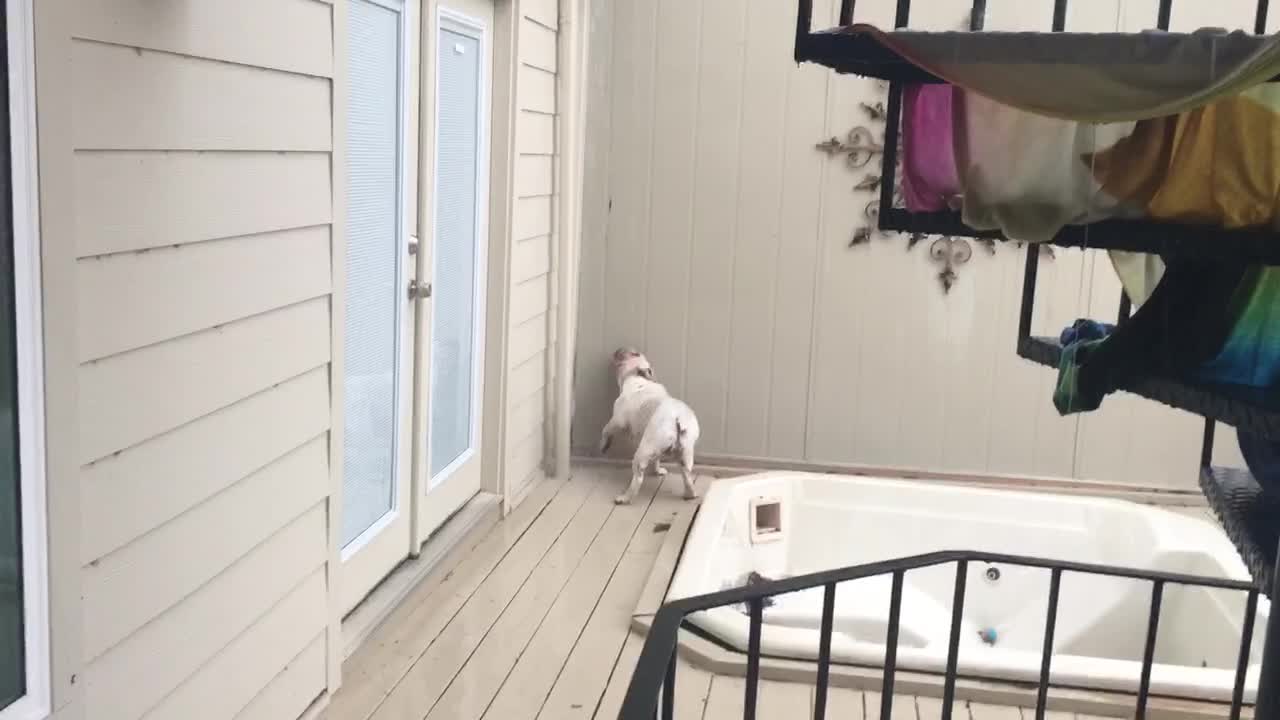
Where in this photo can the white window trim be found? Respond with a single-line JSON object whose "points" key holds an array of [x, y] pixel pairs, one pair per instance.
{"points": [[28, 325]]}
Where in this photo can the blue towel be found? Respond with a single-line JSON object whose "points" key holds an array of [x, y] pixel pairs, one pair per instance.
{"points": [[1084, 329]]}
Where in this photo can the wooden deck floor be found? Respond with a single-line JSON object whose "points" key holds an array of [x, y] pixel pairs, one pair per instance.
{"points": [[531, 620]]}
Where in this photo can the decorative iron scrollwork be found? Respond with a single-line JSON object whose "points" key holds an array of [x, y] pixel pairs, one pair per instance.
{"points": [[858, 147], [950, 253]]}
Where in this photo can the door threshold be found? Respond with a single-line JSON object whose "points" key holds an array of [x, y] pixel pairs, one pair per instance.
{"points": [[480, 514]]}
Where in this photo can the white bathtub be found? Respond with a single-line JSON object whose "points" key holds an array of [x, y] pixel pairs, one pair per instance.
{"points": [[830, 521]]}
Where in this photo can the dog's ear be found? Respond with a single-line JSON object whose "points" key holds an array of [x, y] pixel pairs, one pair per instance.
{"points": [[646, 373]]}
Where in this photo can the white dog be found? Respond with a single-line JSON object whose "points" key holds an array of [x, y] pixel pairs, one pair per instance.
{"points": [[664, 426]]}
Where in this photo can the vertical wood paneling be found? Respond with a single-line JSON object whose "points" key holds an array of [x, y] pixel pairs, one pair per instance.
{"points": [[716, 237], [715, 222], [591, 379], [848, 417], [672, 118], [626, 234], [755, 249], [797, 248]]}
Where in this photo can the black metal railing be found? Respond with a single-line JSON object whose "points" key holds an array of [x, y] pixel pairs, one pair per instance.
{"points": [[653, 686]]}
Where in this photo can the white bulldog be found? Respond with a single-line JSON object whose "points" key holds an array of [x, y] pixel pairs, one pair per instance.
{"points": [[663, 425]]}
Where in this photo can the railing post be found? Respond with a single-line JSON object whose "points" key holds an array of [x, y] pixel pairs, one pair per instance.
{"points": [[1269, 678], [1050, 625], [824, 651], [1246, 647], [891, 646], [756, 606], [953, 647], [1149, 653]]}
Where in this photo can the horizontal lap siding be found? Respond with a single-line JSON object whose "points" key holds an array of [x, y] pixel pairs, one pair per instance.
{"points": [[532, 292], [202, 184]]}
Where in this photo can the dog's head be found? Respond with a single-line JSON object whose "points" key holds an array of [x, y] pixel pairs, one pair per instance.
{"points": [[629, 361]]}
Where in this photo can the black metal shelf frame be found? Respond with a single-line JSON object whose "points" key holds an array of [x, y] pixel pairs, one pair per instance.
{"points": [[653, 687], [861, 55]]}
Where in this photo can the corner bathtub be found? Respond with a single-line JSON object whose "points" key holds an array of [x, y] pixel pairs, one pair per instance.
{"points": [[805, 523]]}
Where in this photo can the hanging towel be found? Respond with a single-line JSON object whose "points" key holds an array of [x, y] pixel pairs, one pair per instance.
{"points": [[1216, 165], [1074, 393], [1084, 329], [929, 180], [1182, 331], [1250, 355]]}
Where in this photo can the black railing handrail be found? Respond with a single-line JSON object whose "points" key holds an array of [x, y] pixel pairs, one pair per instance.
{"points": [[734, 596], [656, 662]]}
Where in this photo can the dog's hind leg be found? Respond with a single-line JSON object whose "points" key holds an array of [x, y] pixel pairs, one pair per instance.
{"points": [[686, 469], [657, 467], [638, 465]]}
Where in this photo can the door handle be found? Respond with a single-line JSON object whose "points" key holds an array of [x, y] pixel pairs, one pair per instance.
{"points": [[419, 291]]}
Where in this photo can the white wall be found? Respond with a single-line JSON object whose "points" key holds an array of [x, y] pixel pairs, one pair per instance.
{"points": [[715, 238]]}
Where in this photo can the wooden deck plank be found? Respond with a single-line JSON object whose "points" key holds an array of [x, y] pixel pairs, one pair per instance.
{"points": [[533, 620], [530, 680], [977, 711], [599, 524], [373, 671], [431, 674], [845, 704], [623, 667], [693, 686], [904, 707], [773, 699], [598, 656]]}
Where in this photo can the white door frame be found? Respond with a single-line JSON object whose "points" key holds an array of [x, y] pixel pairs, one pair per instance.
{"points": [[437, 500], [28, 326], [392, 547], [476, 29]]}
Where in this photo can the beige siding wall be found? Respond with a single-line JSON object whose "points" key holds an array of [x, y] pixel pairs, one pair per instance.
{"points": [[715, 237], [199, 182], [187, 195], [532, 299]]}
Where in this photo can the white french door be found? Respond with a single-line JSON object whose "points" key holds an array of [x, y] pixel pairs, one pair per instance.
{"points": [[378, 322], [451, 358]]}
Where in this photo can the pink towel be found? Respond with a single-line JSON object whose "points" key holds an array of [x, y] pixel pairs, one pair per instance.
{"points": [[929, 178]]}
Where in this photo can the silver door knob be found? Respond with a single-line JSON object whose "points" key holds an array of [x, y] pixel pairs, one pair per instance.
{"points": [[419, 291]]}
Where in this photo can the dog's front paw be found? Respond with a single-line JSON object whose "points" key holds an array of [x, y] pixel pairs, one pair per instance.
{"points": [[623, 499]]}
